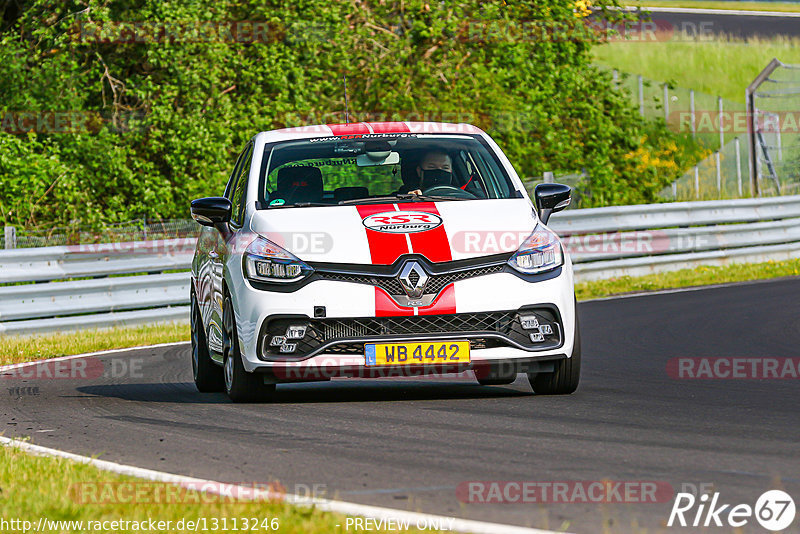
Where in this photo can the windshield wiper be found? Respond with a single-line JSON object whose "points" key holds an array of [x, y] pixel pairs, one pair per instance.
{"points": [[301, 205], [376, 200], [438, 198], [404, 197]]}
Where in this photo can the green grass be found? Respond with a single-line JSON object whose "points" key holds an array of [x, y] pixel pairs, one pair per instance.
{"points": [[785, 7], [15, 349], [59, 489], [723, 67], [705, 275]]}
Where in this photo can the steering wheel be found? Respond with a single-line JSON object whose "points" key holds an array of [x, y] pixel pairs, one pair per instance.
{"points": [[449, 191]]}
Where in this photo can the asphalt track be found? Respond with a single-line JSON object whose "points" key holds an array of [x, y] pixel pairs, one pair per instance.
{"points": [[409, 444]]}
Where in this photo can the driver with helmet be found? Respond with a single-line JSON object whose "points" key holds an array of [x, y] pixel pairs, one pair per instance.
{"points": [[434, 169]]}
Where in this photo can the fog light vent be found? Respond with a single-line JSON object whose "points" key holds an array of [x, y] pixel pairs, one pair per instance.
{"points": [[529, 322], [296, 332]]}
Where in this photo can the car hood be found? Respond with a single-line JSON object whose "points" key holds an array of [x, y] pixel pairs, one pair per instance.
{"points": [[380, 233]]}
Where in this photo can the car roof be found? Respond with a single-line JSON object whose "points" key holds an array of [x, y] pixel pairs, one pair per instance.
{"points": [[366, 128]]}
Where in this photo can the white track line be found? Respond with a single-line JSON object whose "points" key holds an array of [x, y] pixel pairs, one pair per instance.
{"points": [[700, 11], [12, 366], [223, 489]]}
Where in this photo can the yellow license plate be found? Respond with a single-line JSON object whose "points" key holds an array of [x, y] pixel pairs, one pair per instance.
{"points": [[422, 353]]}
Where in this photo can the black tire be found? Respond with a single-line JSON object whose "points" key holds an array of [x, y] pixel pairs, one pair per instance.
{"points": [[207, 375], [566, 376], [240, 385]]}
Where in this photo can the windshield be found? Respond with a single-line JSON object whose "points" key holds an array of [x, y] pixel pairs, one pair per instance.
{"points": [[381, 167]]}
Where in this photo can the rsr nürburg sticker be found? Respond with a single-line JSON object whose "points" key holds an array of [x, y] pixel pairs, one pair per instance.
{"points": [[402, 222]]}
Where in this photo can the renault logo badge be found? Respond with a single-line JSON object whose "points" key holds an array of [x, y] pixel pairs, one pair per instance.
{"points": [[413, 279]]}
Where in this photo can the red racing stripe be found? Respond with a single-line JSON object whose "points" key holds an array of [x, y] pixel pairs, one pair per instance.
{"points": [[432, 244], [445, 303], [349, 129], [384, 248], [385, 306]]}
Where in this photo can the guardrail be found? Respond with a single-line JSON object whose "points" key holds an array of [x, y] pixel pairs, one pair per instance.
{"points": [[638, 240], [70, 287], [94, 285]]}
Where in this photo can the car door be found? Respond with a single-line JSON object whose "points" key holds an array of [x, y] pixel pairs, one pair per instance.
{"points": [[218, 252]]}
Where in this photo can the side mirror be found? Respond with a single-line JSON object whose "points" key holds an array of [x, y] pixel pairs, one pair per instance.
{"points": [[211, 211], [551, 198]]}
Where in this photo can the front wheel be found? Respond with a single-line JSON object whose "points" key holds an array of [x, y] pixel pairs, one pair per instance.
{"points": [[564, 379], [207, 375], [240, 385]]}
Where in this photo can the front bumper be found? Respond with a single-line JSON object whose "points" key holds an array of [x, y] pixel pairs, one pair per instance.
{"points": [[495, 293], [322, 369]]}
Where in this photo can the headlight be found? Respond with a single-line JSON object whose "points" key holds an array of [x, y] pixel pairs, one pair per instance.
{"points": [[265, 261], [539, 252]]}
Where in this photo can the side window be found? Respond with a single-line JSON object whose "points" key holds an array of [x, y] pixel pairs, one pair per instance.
{"points": [[237, 199], [235, 174]]}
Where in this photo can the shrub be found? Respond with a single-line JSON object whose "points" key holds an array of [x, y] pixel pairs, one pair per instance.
{"points": [[169, 114]]}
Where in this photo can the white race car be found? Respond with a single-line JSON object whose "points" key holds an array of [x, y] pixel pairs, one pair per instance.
{"points": [[380, 249]]}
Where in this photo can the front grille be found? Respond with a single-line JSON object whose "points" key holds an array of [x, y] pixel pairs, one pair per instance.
{"points": [[329, 329], [390, 285], [504, 326], [436, 282]]}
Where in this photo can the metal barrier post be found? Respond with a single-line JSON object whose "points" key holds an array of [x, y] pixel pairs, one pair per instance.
{"points": [[696, 182], [641, 96], [10, 234], [736, 143], [721, 127], [752, 125]]}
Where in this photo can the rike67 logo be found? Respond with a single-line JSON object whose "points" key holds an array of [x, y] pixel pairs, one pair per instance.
{"points": [[774, 510]]}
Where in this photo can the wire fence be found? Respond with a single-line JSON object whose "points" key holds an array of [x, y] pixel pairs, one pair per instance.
{"points": [[774, 99], [723, 175], [715, 123], [768, 126]]}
